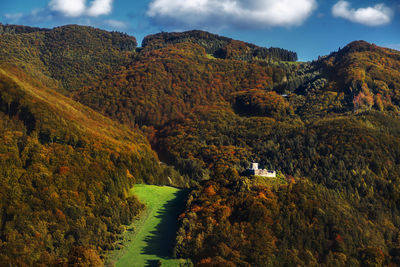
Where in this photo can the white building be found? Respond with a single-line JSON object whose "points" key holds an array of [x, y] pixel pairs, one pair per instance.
{"points": [[254, 170]]}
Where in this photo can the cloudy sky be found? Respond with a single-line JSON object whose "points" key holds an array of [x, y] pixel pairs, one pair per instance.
{"points": [[309, 27]]}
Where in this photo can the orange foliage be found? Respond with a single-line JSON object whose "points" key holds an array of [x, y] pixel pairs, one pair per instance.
{"points": [[209, 190], [197, 208], [339, 238], [62, 170], [60, 215], [205, 261]]}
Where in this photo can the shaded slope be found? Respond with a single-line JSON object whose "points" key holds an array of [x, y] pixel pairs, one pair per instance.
{"points": [[72, 55], [298, 224]]}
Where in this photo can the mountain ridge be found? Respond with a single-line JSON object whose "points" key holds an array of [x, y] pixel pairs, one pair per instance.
{"points": [[219, 46]]}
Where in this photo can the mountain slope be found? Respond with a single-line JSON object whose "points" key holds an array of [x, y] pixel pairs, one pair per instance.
{"points": [[65, 174], [351, 160], [164, 84], [329, 127], [348, 161], [72, 55], [219, 46], [369, 74]]}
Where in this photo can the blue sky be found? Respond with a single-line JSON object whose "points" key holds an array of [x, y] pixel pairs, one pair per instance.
{"points": [[312, 28]]}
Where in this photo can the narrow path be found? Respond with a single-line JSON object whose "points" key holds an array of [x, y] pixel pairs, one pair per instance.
{"points": [[153, 238]]}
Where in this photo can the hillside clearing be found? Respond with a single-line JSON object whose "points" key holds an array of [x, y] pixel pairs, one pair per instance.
{"points": [[151, 238]]}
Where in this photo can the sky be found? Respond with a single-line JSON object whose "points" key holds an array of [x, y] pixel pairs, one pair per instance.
{"points": [[311, 28]]}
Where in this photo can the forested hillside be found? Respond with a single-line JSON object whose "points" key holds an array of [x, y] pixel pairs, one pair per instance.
{"points": [[209, 106], [16, 29], [167, 83], [219, 46], [65, 169], [65, 173], [368, 73], [72, 55]]}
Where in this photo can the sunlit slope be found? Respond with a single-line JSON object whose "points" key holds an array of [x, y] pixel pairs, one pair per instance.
{"points": [[367, 74], [82, 117], [65, 172]]}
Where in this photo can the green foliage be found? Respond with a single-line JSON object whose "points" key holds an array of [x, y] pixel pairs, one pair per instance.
{"points": [[152, 236]]}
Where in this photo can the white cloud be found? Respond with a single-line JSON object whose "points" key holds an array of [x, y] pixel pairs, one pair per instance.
{"points": [[100, 7], [116, 24], [70, 8], [223, 13], [14, 16], [370, 16], [76, 8], [394, 46]]}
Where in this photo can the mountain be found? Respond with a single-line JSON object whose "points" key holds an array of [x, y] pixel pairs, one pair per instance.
{"points": [[17, 29], [207, 105], [368, 73], [219, 46], [65, 169], [72, 55], [340, 160], [166, 83]]}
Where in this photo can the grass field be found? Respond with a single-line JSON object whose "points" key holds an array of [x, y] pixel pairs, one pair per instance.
{"points": [[151, 238]]}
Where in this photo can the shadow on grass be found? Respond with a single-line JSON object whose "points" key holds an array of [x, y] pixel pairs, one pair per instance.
{"points": [[152, 263], [161, 241]]}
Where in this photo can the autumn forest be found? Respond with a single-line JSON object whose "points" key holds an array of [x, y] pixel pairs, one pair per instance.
{"points": [[86, 114]]}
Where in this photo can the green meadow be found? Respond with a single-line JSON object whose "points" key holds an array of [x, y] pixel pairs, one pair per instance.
{"points": [[149, 240]]}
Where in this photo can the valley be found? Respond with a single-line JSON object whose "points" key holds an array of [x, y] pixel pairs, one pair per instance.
{"points": [[86, 115]]}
